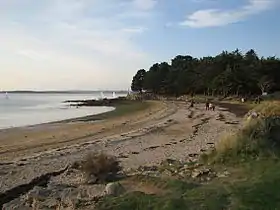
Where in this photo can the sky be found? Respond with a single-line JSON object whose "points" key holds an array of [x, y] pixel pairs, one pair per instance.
{"points": [[98, 44]]}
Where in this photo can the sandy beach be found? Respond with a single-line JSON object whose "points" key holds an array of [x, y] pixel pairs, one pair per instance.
{"points": [[147, 137]]}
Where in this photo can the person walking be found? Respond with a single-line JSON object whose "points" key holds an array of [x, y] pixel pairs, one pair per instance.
{"points": [[192, 103], [207, 105]]}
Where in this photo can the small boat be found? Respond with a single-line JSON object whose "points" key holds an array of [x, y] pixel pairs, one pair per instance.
{"points": [[6, 95]]}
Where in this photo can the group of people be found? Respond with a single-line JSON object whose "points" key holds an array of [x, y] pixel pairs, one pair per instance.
{"points": [[257, 100], [208, 105]]}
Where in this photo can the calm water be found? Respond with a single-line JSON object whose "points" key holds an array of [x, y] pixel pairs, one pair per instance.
{"points": [[29, 109]]}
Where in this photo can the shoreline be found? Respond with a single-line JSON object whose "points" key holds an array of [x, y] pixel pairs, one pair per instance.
{"points": [[66, 120], [40, 137], [114, 104]]}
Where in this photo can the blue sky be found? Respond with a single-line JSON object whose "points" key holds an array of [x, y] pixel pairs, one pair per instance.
{"points": [[97, 44]]}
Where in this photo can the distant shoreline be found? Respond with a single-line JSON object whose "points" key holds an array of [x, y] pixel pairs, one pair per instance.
{"points": [[65, 92]]}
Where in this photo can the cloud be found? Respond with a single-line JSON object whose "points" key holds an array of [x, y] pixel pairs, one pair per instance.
{"points": [[67, 44], [144, 4], [217, 17], [135, 30]]}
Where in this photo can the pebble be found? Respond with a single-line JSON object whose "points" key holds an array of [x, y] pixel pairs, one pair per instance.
{"points": [[114, 189]]}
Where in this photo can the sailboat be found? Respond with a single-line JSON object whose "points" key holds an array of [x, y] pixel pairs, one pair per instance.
{"points": [[6, 95], [114, 94], [102, 95]]}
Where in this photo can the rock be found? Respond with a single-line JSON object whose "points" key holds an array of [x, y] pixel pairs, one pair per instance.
{"points": [[193, 155], [151, 173], [123, 156], [148, 168], [20, 164], [198, 173], [50, 203], [167, 173], [151, 148], [16, 205], [38, 193], [223, 174], [76, 165], [182, 173], [198, 165], [67, 193], [91, 179], [114, 189], [208, 178], [69, 171], [12, 172], [195, 174], [170, 161]]}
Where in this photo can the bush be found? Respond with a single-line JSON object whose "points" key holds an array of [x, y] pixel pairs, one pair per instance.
{"points": [[260, 137], [268, 109], [100, 166]]}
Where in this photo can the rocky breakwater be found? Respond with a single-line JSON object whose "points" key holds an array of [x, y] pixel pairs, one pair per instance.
{"points": [[103, 102]]}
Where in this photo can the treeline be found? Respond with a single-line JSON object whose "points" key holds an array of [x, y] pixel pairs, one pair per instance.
{"points": [[229, 73]]}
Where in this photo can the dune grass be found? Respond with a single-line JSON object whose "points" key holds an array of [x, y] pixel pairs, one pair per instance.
{"points": [[258, 138], [268, 108]]}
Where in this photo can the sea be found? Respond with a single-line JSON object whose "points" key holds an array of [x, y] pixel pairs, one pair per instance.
{"points": [[25, 109]]}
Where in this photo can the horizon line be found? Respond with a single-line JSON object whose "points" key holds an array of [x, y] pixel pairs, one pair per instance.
{"points": [[57, 91]]}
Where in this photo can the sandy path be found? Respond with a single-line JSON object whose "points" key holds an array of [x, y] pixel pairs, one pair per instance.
{"points": [[170, 131]]}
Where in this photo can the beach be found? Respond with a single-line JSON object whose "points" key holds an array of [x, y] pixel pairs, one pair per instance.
{"points": [[165, 129]]}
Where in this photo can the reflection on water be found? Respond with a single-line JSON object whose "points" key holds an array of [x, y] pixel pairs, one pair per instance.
{"points": [[29, 109]]}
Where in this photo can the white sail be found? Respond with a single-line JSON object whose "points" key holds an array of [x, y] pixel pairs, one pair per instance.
{"points": [[128, 92], [6, 95], [114, 94], [102, 95]]}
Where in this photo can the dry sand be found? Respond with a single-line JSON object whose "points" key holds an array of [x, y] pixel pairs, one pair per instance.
{"points": [[165, 130]]}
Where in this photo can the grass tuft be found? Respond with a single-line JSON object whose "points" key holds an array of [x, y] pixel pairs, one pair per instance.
{"points": [[268, 108], [101, 166]]}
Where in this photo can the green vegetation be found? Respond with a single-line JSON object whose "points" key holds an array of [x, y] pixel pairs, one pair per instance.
{"points": [[258, 139], [122, 108], [229, 73], [125, 108], [252, 185], [251, 159]]}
